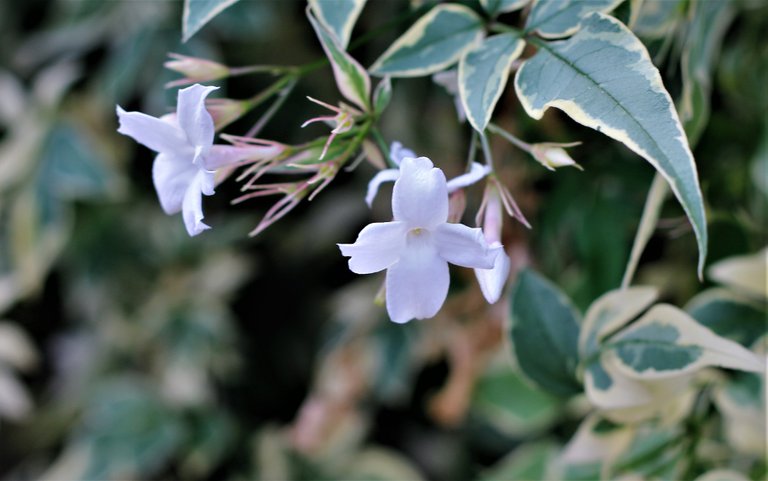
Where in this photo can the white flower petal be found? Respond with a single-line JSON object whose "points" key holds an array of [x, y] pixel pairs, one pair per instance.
{"points": [[420, 196], [397, 153], [386, 175], [172, 176], [463, 246], [152, 132], [492, 280], [417, 284], [194, 120], [377, 247], [192, 206], [476, 172]]}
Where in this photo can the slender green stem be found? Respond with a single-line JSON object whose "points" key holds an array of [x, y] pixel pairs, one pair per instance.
{"points": [[379, 139], [508, 136], [282, 95], [486, 150]]}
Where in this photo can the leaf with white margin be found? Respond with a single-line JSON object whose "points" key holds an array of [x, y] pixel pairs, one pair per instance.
{"points": [[199, 12], [611, 311], [495, 7], [625, 400], [560, 18], [739, 401], [435, 42], [729, 314], [666, 342], [603, 78], [722, 475], [597, 441], [338, 16], [544, 333], [351, 78], [745, 274], [483, 74]]}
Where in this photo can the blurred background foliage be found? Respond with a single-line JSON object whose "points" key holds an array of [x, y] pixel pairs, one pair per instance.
{"points": [[130, 351]]}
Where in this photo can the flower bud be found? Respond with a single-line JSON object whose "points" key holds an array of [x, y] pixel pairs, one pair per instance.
{"points": [[552, 155], [194, 69], [225, 111]]}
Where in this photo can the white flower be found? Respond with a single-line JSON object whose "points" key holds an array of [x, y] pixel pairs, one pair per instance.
{"points": [[397, 153], [416, 247], [185, 165]]}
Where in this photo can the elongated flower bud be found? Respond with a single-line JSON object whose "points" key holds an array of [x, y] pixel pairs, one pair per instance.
{"points": [[552, 155], [194, 69]]}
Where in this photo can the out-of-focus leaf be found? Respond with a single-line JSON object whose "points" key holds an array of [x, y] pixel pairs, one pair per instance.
{"points": [[199, 12], [708, 26], [560, 18], [610, 312], [380, 464], [212, 435], [338, 16], [627, 102], [597, 442], [128, 430], [747, 274], [15, 402], [729, 315], [544, 321], [495, 7], [483, 74], [351, 78], [740, 401], [722, 475], [666, 342], [435, 42], [654, 451], [511, 405], [531, 462], [656, 18]]}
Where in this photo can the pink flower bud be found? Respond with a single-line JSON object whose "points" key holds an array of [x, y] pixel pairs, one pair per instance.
{"points": [[194, 69], [225, 111]]}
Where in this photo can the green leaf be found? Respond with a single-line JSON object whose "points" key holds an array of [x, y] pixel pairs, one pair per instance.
{"points": [[627, 102], [544, 334], [666, 342], [729, 315], [707, 29], [745, 274], [495, 7], [560, 18], [199, 12], [351, 78], [483, 74], [509, 404], [530, 462], [382, 95], [435, 42], [338, 16]]}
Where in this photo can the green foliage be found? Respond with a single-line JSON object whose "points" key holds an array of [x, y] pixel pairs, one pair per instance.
{"points": [[627, 102], [436, 41], [199, 12], [544, 333]]}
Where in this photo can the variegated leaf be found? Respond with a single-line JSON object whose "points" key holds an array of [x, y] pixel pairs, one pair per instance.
{"points": [[351, 78], [603, 78], [666, 343], [338, 16], [495, 7], [560, 18], [435, 42], [199, 12], [729, 314], [747, 274], [483, 74], [610, 312]]}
